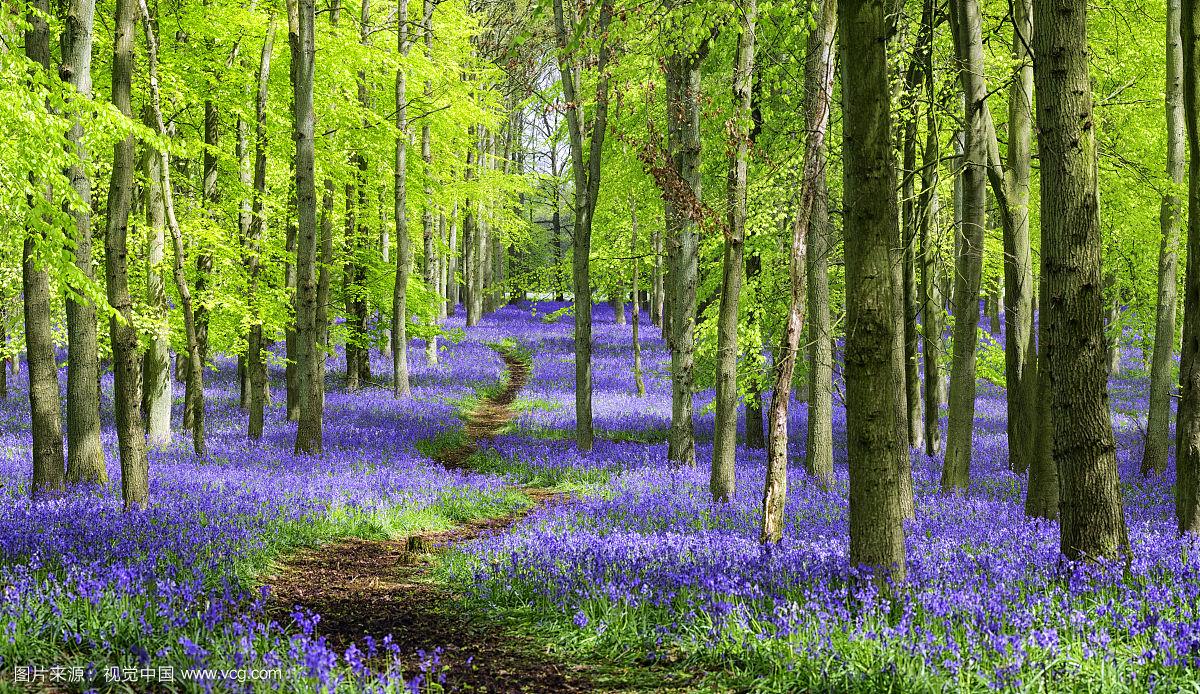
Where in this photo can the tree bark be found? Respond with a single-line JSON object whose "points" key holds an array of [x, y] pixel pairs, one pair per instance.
{"points": [[932, 313], [308, 354], [44, 405], [431, 344], [1092, 520], [635, 309], [131, 441], [818, 81], [956, 471], [587, 192], [873, 376], [255, 364], [723, 479], [401, 385], [85, 455], [156, 361], [195, 362], [1187, 465], [756, 437]]}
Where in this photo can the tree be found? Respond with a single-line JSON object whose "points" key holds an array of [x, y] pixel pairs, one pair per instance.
{"points": [[255, 364], [135, 468], [430, 247], [876, 444], [1154, 457], [85, 455], [45, 422], [401, 386], [724, 480], [1187, 486], [587, 192], [1092, 520], [308, 352]]}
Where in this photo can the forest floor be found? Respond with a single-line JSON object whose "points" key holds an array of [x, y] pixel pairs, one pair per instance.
{"points": [[390, 588]]}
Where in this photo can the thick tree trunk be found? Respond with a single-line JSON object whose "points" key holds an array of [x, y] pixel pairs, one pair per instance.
{"points": [[85, 455], [156, 361], [1092, 520], [956, 472], [308, 352], [135, 468], [1041, 494], [1020, 349], [1187, 465], [723, 479], [810, 215], [255, 365], [876, 448], [195, 362], [44, 405], [401, 386]]}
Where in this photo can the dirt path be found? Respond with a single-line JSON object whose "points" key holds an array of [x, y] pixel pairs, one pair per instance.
{"points": [[375, 588]]}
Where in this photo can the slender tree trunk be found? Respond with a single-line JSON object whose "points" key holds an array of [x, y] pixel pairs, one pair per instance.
{"points": [[723, 482], [452, 285], [325, 255], [135, 468], [873, 376], [956, 472], [401, 387], [932, 314], [756, 437], [195, 358], [1092, 520], [818, 81], [308, 355], [85, 455], [587, 192], [1020, 349], [156, 362], [431, 344], [291, 345], [255, 365], [1187, 486], [635, 309], [44, 405], [656, 295]]}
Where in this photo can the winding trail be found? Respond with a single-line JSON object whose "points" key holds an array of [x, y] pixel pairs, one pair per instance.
{"points": [[374, 588]]}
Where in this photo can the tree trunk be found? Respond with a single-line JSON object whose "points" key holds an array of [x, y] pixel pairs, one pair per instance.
{"points": [[431, 344], [818, 90], [325, 264], [932, 314], [872, 373], [956, 472], [656, 290], [1020, 349], [401, 387], [723, 481], [291, 345], [255, 365], [85, 455], [635, 310], [308, 354], [156, 361], [683, 149], [756, 438], [587, 192], [195, 360], [1187, 486], [135, 468], [1092, 520], [44, 405], [452, 285], [1041, 494]]}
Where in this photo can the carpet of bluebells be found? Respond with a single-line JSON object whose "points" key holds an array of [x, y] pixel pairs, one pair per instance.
{"points": [[640, 565], [645, 565], [89, 587]]}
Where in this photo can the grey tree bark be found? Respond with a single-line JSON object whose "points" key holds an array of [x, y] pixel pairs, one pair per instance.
{"points": [[401, 385], [156, 361], [44, 405], [255, 365], [810, 217], [636, 309], [933, 319], [723, 479], [85, 455], [1187, 457], [876, 445], [1091, 517], [430, 268], [1154, 457], [308, 354], [131, 441], [587, 192]]}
